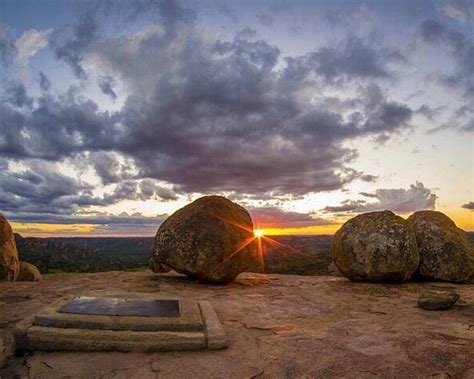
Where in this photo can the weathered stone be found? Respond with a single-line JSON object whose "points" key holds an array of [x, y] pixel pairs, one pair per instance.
{"points": [[333, 270], [9, 263], [210, 239], [437, 300], [51, 339], [28, 273], [157, 267], [445, 252], [376, 247]]}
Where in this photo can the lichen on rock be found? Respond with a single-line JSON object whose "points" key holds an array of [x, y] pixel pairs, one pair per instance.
{"points": [[445, 252], [210, 239], [376, 247]]}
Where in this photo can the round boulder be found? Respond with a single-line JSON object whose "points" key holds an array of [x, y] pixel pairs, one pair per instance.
{"points": [[438, 300], [28, 273], [9, 263], [445, 252], [376, 247], [210, 239]]}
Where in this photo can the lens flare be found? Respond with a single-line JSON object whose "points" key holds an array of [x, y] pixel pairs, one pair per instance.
{"points": [[258, 233]]}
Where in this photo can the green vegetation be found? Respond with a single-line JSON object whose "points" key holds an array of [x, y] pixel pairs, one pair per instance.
{"points": [[288, 255], [83, 254]]}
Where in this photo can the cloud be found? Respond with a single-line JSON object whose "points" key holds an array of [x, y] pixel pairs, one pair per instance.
{"points": [[70, 43], [202, 114], [346, 206], [107, 84], [429, 112], [234, 121], [7, 47], [416, 198], [43, 81], [273, 217], [355, 58], [97, 224], [15, 94], [40, 188], [30, 42], [469, 205], [461, 49], [462, 11]]}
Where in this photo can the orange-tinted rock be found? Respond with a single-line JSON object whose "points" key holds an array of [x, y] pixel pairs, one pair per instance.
{"points": [[210, 239], [28, 273], [9, 263]]}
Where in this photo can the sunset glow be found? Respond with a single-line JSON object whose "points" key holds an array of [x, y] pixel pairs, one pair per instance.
{"points": [[259, 233]]}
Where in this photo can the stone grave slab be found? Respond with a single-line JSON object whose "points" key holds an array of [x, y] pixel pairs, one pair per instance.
{"points": [[107, 306], [111, 324], [189, 319]]}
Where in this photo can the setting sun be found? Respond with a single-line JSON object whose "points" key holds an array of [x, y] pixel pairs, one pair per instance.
{"points": [[258, 233]]}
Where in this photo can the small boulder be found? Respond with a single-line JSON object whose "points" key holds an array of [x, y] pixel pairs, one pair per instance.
{"points": [[445, 252], [9, 263], [437, 300], [29, 273], [157, 267], [333, 270], [376, 247], [210, 239]]}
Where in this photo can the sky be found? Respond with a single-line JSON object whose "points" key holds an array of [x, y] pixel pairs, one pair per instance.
{"points": [[115, 114]]}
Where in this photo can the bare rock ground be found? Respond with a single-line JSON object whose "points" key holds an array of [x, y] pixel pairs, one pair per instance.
{"points": [[279, 326]]}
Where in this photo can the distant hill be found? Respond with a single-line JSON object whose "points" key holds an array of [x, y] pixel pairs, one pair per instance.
{"points": [[55, 254], [288, 255], [296, 255]]}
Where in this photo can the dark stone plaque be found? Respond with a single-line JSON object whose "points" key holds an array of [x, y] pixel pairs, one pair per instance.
{"points": [[121, 307]]}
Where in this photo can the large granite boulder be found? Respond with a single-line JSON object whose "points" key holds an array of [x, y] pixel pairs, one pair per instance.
{"points": [[28, 273], [9, 263], [376, 247], [210, 239], [445, 252]]}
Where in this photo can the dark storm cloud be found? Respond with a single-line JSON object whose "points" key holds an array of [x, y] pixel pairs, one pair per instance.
{"points": [[355, 59], [16, 95], [56, 128], [69, 43], [41, 189], [233, 122], [107, 84], [469, 205], [202, 114], [460, 47], [109, 167], [273, 217], [416, 198], [44, 82], [7, 48]]}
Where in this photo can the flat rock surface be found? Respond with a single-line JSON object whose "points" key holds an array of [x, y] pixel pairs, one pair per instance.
{"points": [[279, 326]]}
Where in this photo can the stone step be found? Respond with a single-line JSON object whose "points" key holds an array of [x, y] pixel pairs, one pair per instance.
{"points": [[197, 327], [53, 339]]}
